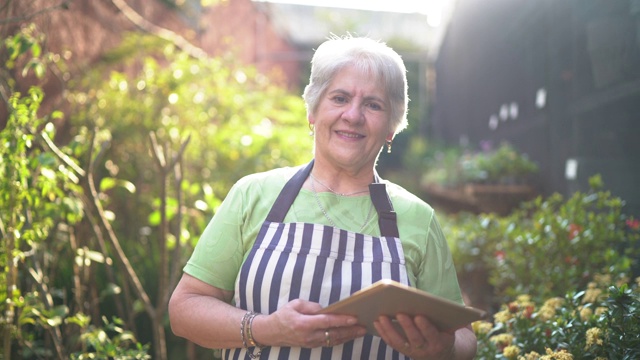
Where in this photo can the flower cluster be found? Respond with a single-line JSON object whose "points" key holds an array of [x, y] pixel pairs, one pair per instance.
{"points": [[585, 325], [553, 249]]}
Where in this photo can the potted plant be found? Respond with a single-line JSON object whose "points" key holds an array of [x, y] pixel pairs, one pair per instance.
{"points": [[491, 180], [505, 179]]}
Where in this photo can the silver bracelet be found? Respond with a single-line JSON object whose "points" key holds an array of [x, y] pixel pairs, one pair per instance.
{"points": [[252, 342], [243, 324]]}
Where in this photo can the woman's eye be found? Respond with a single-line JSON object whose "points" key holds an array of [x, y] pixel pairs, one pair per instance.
{"points": [[340, 99], [374, 106]]}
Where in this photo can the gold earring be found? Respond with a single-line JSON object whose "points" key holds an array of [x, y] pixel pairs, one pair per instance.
{"points": [[312, 129], [389, 146]]}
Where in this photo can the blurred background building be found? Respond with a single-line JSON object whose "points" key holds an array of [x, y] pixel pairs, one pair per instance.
{"points": [[560, 80]]}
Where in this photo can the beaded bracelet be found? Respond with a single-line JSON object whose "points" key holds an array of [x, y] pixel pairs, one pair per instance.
{"points": [[250, 339], [247, 334], [243, 324]]}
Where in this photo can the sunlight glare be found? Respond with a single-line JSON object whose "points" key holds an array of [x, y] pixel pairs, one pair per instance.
{"points": [[433, 8]]}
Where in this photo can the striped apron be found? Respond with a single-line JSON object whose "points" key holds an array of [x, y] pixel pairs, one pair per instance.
{"points": [[318, 263]]}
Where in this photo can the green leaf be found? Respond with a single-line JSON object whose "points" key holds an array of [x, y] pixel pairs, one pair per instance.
{"points": [[79, 319], [109, 183], [36, 50], [39, 70], [154, 218]]}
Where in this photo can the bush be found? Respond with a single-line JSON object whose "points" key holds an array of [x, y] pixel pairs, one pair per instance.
{"points": [[600, 322], [566, 262], [41, 201], [549, 246]]}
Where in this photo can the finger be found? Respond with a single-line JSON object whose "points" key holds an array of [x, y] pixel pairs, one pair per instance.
{"points": [[328, 321], [415, 336], [426, 327], [437, 340], [333, 320], [390, 334], [305, 307], [341, 335]]}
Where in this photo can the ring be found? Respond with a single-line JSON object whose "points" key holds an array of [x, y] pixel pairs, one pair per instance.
{"points": [[327, 339], [407, 345]]}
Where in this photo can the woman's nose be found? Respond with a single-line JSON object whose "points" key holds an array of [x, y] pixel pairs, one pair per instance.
{"points": [[354, 112]]}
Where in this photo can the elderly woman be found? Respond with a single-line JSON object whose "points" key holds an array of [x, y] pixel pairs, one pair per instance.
{"points": [[288, 242]]}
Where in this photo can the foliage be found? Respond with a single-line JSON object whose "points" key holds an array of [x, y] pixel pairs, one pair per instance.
{"points": [[600, 322], [108, 341], [27, 41], [549, 245], [504, 164], [444, 167], [237, 121], [40, 202], [33, 200], [551, 250], [457, 166]]}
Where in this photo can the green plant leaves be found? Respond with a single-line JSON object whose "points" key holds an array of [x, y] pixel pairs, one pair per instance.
{"points": [[109, 183]]}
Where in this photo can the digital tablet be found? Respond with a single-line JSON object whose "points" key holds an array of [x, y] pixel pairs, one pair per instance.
{"points": [[388, 297]]}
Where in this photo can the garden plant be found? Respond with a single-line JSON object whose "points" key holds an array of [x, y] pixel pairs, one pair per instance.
{"points": [[557, 274], [121, 191]]}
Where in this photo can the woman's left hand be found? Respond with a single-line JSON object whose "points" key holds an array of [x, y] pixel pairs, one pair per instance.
{"points": [[420, 340]]}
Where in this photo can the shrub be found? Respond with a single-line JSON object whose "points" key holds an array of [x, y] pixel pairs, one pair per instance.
{"points": [[549, 246], [600, 322], [41, 201]]}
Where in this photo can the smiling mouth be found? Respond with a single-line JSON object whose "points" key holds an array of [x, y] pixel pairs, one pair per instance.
{"points": [[349, 134]]}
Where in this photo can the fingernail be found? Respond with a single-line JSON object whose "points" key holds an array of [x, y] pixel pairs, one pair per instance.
{"points": [[352, 321]]}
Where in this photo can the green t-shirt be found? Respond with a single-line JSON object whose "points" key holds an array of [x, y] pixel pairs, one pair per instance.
{"points": [[229, 236]]}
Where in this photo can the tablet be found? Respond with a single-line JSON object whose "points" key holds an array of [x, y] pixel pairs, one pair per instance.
{"points": [[388, 297]]}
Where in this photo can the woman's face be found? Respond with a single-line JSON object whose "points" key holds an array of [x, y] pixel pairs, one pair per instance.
{"points": [[351, 121]]}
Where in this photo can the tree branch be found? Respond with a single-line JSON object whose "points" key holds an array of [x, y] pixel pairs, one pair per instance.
{"points": [[163, 33], [63, 5], [62, 156], [165, 167], [122, 257]]}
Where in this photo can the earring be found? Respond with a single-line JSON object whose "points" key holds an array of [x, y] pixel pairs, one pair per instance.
{"points": [[389, 147], [312, 129]]}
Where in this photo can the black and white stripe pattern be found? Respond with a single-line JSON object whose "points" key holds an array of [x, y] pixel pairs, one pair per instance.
{"points": [[321, 264]]}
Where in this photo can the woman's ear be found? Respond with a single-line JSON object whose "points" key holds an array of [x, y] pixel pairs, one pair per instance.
{"points": [[390, 136]]}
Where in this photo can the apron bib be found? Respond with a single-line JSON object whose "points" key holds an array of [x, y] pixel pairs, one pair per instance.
{"points": [[318, 263]]}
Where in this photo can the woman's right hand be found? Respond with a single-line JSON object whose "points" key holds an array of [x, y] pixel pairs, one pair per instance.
{"points": [[298, 324]]}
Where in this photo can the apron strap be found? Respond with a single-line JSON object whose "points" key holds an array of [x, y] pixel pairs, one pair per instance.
{"points": [[387, 219], [288, 194]]}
